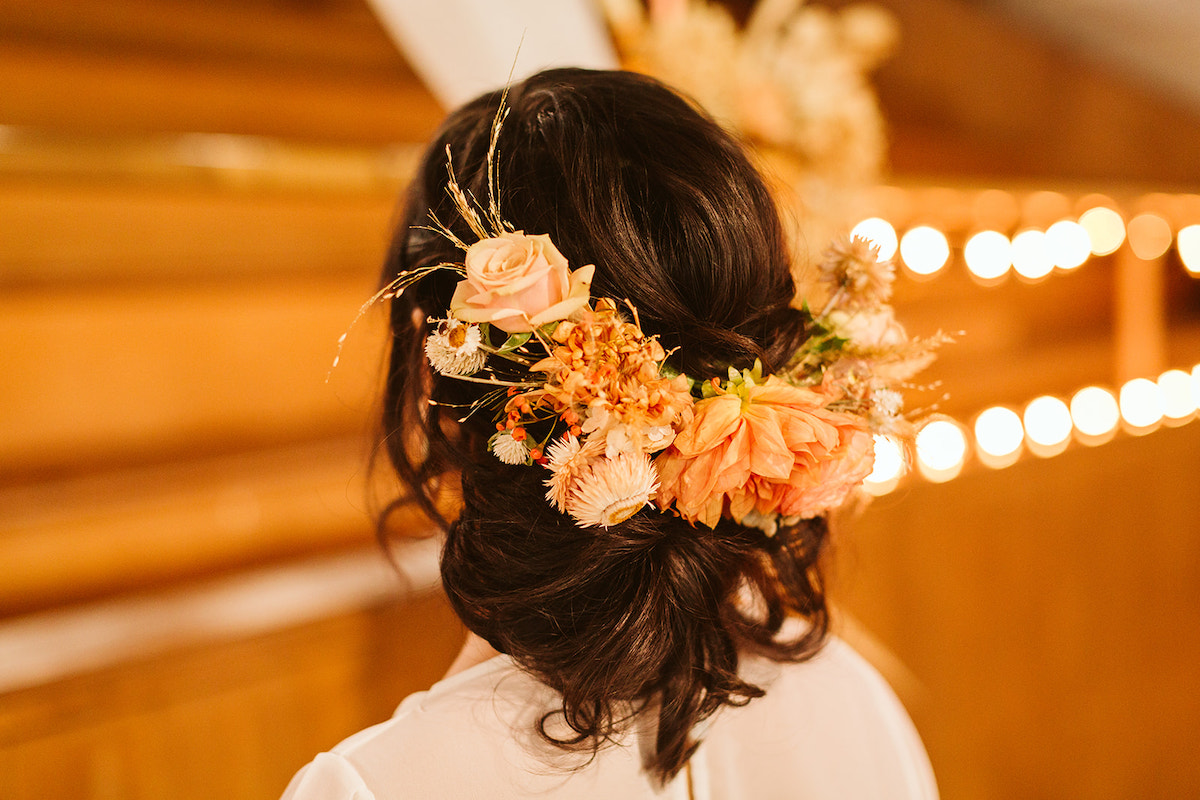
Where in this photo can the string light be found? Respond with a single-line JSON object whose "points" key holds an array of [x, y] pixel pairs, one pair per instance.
{"points": [[1141, 405], [1176, 395], [1188, 242], [881, 233], [1068, 244], [998, 436], [1095, 414], [1047, 425], [1105, 229], [924, 250], [941, 450], [1149, 236], [988, 255], [1030, 256], [889, 466]]}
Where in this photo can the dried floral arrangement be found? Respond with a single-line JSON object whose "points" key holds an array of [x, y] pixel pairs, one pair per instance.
{"points": [[794, 81], [578, 389]]}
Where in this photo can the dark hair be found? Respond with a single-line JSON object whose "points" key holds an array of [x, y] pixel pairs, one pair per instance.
{"points": [[649, 615]]}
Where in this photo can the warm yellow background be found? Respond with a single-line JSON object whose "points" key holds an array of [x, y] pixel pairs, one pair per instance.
{"points": [[170, 307]]}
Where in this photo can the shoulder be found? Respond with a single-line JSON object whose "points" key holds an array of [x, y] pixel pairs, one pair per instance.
{"points": [[432, 733], [328, 777], [472, 735], [829, 727]]}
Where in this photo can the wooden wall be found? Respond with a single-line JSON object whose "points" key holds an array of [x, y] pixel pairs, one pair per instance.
{"points": [[233, 718], [194, 199], [1049, 615]]}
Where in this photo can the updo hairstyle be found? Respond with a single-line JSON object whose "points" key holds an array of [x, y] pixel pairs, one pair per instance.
{"points": [[650, 615]]}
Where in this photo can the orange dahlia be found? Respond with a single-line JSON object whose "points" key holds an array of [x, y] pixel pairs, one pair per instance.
{"points": [[772, 448]]}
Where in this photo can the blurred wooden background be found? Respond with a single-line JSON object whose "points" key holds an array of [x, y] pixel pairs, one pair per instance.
{"points": [[194, 200]]}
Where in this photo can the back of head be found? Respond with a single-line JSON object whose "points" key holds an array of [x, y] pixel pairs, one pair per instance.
{"points": [[648, 615]]}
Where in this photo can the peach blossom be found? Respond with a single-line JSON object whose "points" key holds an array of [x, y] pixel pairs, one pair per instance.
{"points": [[773, 448], [518, 283]]}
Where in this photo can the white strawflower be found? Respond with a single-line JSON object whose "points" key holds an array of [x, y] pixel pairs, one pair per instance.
{"points": [[883, 415], [454, 348], [510, 450], [887, 403], [562, 461], [611, 490]]}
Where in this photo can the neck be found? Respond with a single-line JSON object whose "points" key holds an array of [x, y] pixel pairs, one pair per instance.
{"points": [[474, 651]]}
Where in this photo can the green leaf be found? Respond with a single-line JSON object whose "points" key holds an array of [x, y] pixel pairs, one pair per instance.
{"points": [[514, 341]]}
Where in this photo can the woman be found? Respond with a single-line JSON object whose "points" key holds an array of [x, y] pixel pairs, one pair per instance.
{"points": [[594, 335]]}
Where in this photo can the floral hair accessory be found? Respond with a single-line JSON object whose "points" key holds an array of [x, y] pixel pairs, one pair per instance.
{"points": [[578, 388]]}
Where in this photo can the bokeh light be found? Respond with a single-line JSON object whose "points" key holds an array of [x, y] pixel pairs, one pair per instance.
{"points": [[1149, 236], [988, 255], [889, 466], [924, 250], [1068, 244], [1105, 229], [998, 436], [1094, 412], [1141, 404], [1047, 425], [941, 450], [1175, 393], [1030, 256], [881, 233], [1188, 242]]}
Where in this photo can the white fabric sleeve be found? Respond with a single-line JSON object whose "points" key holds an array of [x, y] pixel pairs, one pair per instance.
{"points": [[328, 777]]}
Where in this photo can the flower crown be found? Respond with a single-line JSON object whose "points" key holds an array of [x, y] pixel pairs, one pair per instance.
{"points": [[578, 388]]}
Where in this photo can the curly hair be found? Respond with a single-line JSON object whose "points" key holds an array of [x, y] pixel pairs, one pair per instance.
{"points": [[649, 616]]}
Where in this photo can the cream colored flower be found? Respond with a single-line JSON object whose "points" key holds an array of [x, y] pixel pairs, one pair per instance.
{"points": [[519, 283], [767, 523], [870, 329], [565, 459], [510, 450], [852, 268], [611, 490], [454, 348]]}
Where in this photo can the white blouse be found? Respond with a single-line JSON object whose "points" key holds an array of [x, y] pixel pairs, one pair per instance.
{"points": [[827, 729]]}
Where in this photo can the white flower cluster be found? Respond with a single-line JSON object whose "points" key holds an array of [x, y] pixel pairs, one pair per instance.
{"points": [[455, 348]]}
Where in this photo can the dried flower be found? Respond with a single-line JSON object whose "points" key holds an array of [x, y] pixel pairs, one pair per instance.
{"points": [[607, 373], [566, 458], [609, 491], [870, 329], [858, 278], [509, 449], [454, 348]]}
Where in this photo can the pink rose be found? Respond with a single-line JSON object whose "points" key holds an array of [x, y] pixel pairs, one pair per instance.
{"points": [[518, 283]]}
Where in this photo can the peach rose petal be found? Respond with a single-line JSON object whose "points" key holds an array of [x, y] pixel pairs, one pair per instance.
{"points": [[517, 283]]}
